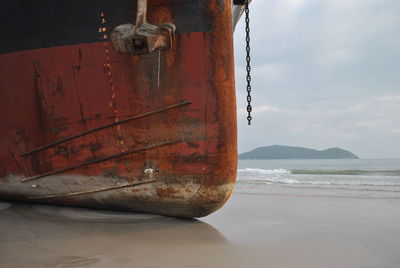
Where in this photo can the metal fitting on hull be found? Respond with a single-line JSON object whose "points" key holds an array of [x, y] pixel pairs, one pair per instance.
{"points": [[143, 37]]}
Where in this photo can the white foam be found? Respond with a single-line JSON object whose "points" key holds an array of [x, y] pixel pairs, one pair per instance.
{"points": [[263, 171], [271, 180], [279, 179], [287, 181]]}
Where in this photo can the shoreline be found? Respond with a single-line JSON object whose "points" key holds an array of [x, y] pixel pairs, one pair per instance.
{"points": [[320, 196]]}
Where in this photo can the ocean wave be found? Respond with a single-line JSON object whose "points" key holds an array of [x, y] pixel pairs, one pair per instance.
{"points": [[341, 188], [354, 172], [280, 180], [350, 179], [269, 180], [263, 171]]}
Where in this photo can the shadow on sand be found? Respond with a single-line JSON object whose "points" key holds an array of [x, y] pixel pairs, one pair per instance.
{"points": [[45, 235]]}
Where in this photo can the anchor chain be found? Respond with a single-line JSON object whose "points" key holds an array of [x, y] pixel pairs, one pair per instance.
{"points": [[248, 68]]}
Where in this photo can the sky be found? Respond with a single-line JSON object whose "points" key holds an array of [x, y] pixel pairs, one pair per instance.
{"points": [[324, 74]]}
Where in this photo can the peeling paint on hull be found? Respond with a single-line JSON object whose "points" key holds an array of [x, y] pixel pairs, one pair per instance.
{"points": [[59, 92]]}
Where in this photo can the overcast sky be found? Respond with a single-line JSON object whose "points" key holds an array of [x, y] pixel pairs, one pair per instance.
{"points": [[325, 74]]}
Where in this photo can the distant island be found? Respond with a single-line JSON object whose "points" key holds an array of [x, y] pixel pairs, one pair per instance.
{"points": [[291, 152]]}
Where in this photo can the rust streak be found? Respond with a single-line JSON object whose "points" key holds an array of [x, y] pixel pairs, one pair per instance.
{"points": [[41, 148]]}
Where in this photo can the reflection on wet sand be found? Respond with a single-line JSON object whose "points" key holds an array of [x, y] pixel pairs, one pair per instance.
{"points": [[258, 231], [33, 235]]}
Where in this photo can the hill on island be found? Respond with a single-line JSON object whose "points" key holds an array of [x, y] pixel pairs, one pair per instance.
{"points": [[291, 152]]}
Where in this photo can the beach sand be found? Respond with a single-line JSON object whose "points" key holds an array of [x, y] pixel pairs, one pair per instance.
{"points": [[249, 231]]}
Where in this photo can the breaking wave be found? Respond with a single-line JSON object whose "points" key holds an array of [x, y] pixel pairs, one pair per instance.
{"points": [[319, 172], [366, 179], [350, 178], [346, 172], [263, 171], [316, 182]]}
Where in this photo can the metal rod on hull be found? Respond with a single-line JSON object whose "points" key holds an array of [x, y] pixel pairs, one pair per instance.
{"points": [[98, 160], [41, 148], [94, 191]]}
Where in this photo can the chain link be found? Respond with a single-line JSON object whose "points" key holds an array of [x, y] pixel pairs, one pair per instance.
{"points": [[248, 68]]}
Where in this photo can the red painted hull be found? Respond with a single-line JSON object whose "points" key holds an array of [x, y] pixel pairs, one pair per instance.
{"points": [[182, 127]]}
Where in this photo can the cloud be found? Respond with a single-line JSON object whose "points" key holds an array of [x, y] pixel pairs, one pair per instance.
{"points": [[325, 74], [371, 120], [270, 71], [388, 98], [370, 124], [336, 56], [264, 109], [395, 131]]}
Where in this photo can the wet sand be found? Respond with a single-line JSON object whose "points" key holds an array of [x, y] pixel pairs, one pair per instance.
{"points": [[249, 231]]}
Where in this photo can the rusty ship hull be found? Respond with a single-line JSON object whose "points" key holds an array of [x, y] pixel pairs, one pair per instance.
{"points": [[83, 125]]}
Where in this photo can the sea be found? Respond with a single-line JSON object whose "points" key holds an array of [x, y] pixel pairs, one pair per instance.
{"points": [[341, 178]]}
